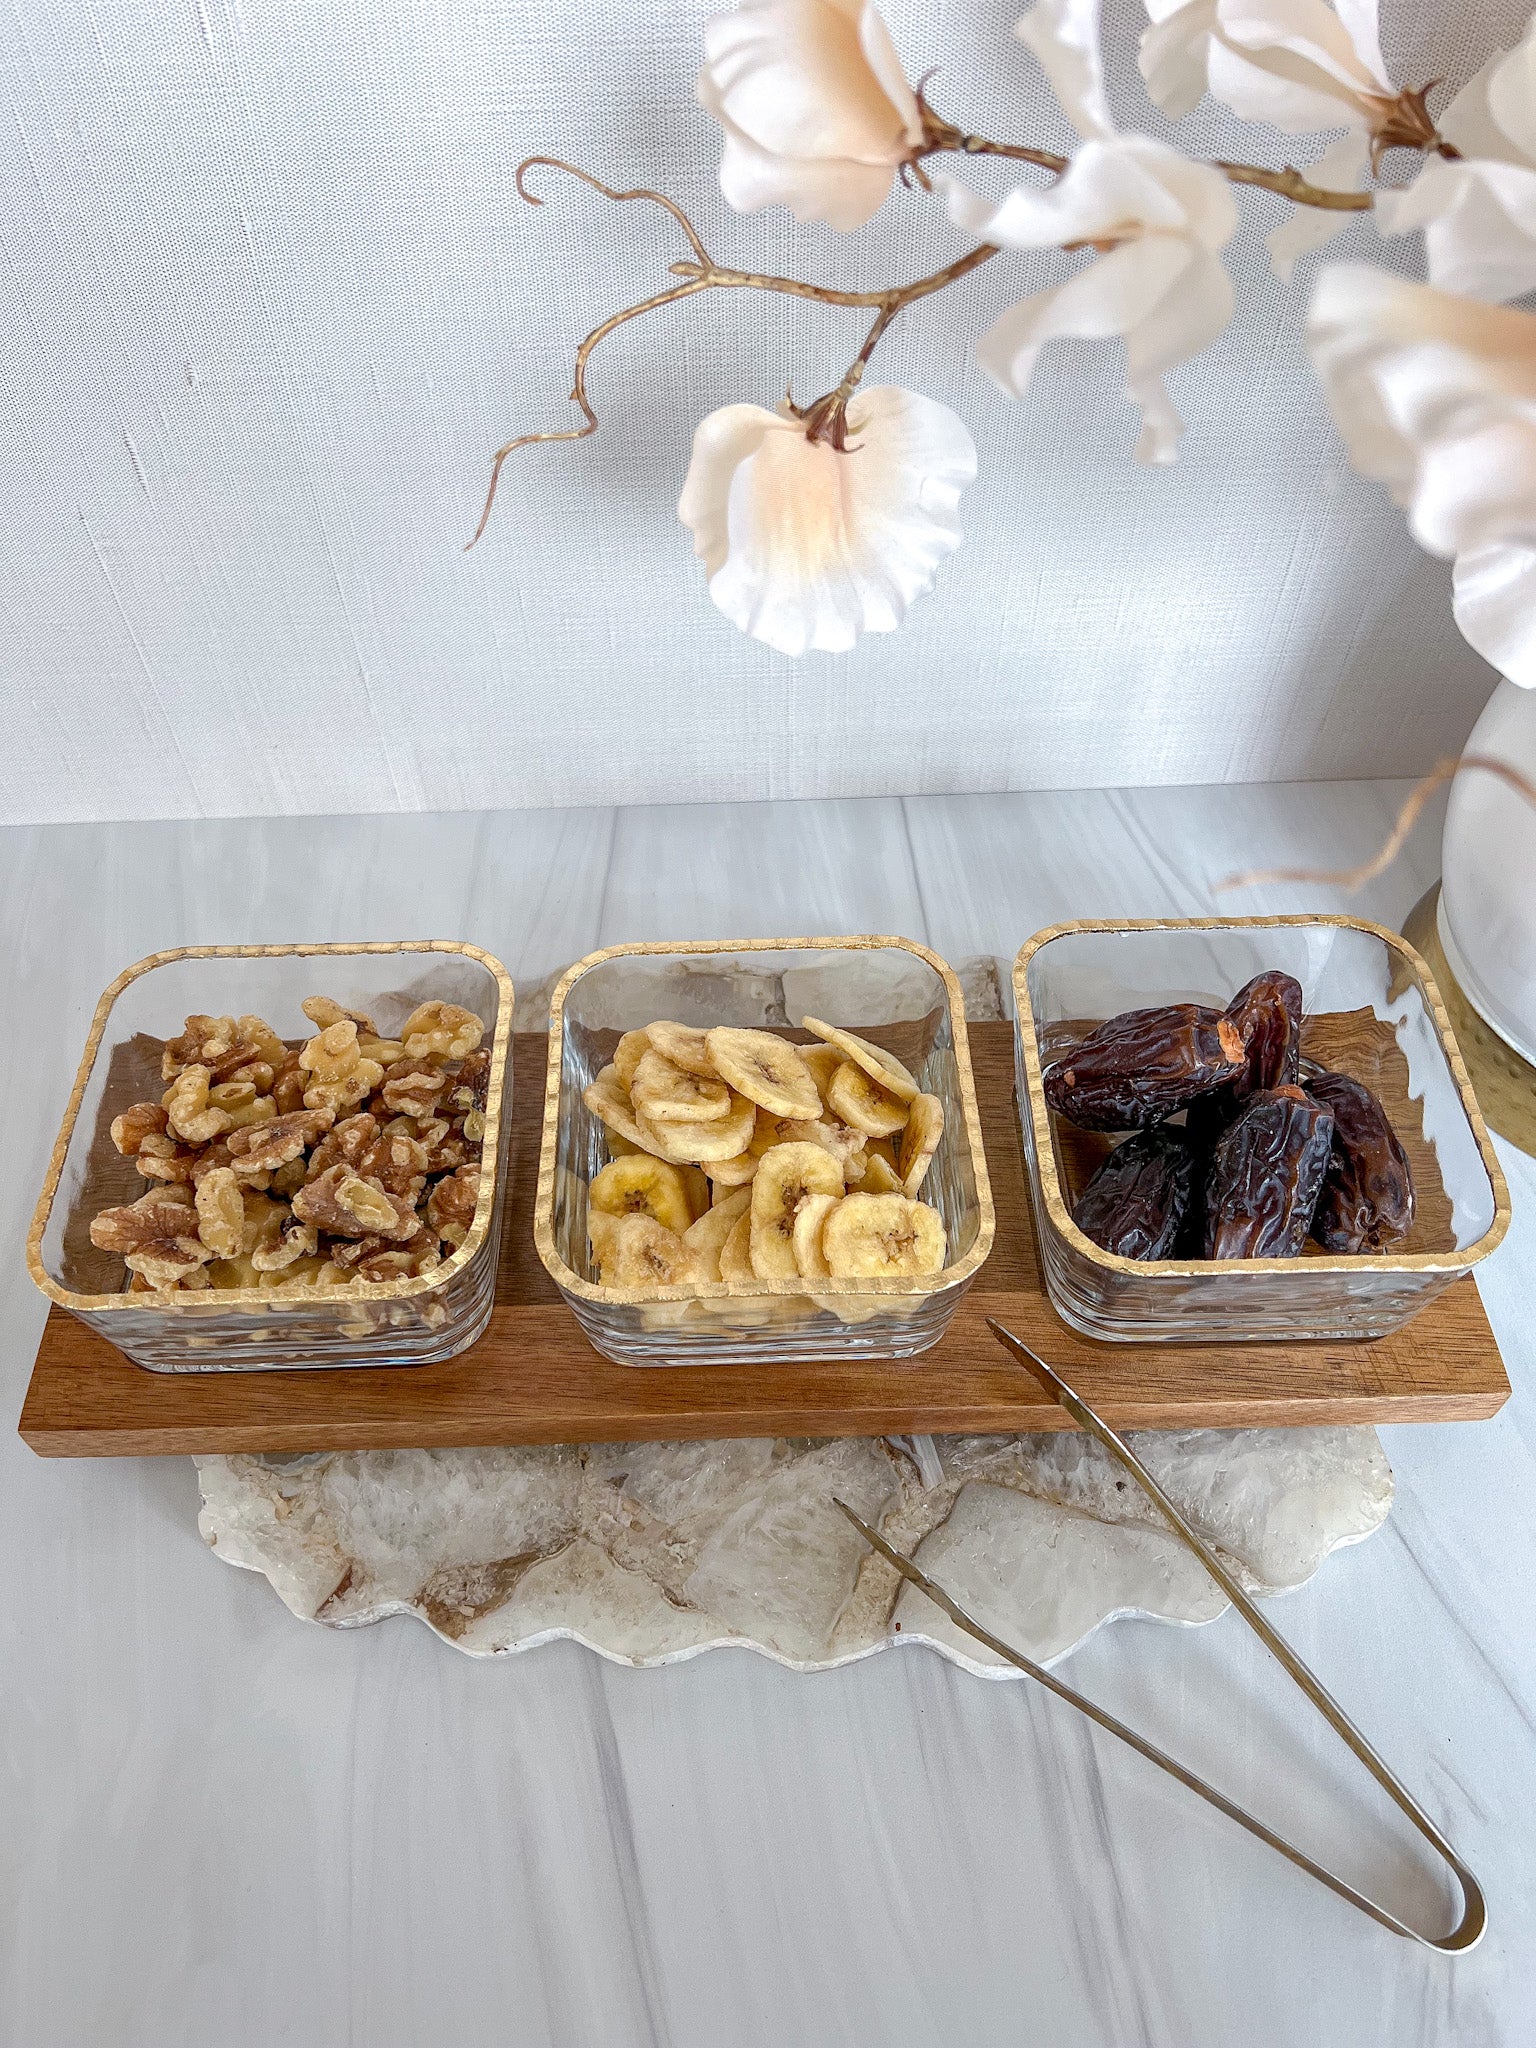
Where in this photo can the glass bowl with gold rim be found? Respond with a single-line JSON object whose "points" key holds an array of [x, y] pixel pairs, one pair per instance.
{"points": [[1372, 1011], [889, 990], [406, 1321]]}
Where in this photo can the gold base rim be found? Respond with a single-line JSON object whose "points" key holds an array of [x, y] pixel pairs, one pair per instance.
{"points": [[1505, 1082]]}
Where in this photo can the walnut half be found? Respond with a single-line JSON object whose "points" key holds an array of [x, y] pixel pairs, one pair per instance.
{"points": [[156, 1235], [344, 1203]]}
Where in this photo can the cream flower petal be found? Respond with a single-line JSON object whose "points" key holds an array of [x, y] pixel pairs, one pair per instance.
{"points": [[816, 112], [1184, 321], [1298, 64], [805, 546], [1316, 39], [1295, 106], [1479, 214], [843, 194], [1340, 168], [1477, 483], [1435, 397], [1064, 36], [1479, 222], [1114, 190], [1468, 121], [1115, 296], [721, 444], [880, 55], [1107, 186], [1511, 93], [1364, 32], [1173, 53], [1159, 285]]}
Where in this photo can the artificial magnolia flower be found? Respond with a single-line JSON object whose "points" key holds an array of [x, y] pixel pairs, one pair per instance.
{"points": [[1298, 64], [1156, 218], [817, 113], [1435, 397], [1301, 65], [1479, 214], [806, 545]]}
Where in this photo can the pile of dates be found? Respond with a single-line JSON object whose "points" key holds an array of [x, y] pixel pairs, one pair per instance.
{"points": [[1264, 1156]]}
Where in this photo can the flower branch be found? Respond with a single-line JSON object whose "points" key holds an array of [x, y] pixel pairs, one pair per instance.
{"points": [[1431, 386], [826, 419], [1290, 184], [942, 138]]}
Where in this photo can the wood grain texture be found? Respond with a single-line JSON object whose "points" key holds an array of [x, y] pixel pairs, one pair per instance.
{"points": [[534, 1379]]}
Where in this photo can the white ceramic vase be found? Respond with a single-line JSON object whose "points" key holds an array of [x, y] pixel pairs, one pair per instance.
{"points": [[1487, 915]]}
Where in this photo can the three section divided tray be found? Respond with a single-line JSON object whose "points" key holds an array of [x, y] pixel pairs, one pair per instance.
{"points": [[533, 1378]]}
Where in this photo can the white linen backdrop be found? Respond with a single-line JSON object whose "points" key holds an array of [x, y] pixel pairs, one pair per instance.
{"points": [[270, 300]]}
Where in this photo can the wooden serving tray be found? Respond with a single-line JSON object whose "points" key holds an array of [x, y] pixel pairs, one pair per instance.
{"points": [[533, 1378]]}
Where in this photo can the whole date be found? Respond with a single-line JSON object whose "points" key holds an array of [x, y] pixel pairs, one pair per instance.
{"points": [[1266, 1012], [1267, 1015], [1366, 1204], [1142, 1066], [1266, 1175], [1137, 1203]]}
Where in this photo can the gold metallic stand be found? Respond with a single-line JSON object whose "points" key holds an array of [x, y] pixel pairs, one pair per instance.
{"points": [[1504, 1082]]}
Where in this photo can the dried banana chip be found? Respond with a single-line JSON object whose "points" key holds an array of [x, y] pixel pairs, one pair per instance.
{"points": [[667, 1094], [696, 1188], [881, 1066], [736, 1253], [880, 1175], [609, 1102], [637, 1251], [767, 1070], [787, 1176], [641, 1186], [919, 1141], [723, 1137], [706, 1238], [771, 1130], [883, 1237], [858, 1308], [855, 1098], [684, 1047], [627, 1055], [838, 1138], [668, 1315], [810, 1219], [823, 1061], [731, 1173]]}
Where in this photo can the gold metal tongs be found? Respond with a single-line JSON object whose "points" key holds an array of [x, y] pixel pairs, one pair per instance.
{"points": [[1469, 1928]]}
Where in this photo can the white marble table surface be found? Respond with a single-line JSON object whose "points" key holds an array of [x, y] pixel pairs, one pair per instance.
{"points": [[219, 1825]]}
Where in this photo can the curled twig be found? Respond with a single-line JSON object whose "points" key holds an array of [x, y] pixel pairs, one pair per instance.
{"points": [[558, 163], [1392, 845], [583, 353], [704, 274], [578, 389]]}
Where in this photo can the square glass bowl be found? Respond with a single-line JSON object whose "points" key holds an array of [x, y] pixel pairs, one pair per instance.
{"points": [[889, 990], [1372, 1011], [382, 1322]]}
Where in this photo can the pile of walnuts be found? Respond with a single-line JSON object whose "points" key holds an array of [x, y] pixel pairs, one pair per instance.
{"points": [[298, 1168]]}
